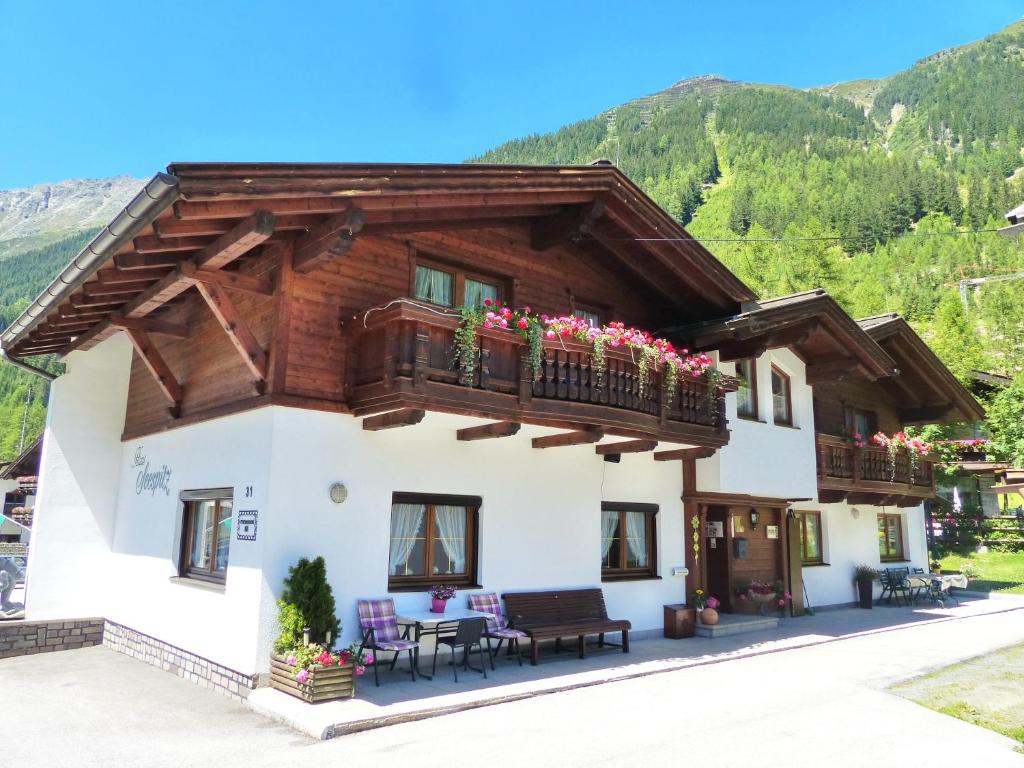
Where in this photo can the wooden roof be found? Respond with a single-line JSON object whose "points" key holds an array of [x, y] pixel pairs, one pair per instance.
{"points": [[25, 464], [811, 323], [925, 389], [219, 215]]}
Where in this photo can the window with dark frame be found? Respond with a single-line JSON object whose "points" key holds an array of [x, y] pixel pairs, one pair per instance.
{"points": [[890, 537], [746, 395], [206, 534], [628, 541], [810, 538], [451, 286], [860, 420], [782, 398], [433, 540]]}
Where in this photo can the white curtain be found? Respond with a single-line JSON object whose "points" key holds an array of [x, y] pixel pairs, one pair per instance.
{"points": [[608, 522], [434, 286], [406, 522], [477, 293], [451, 524], [636, 536]]}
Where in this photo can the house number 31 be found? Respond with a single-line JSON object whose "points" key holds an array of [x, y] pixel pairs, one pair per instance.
{"points": [[248, 491]]}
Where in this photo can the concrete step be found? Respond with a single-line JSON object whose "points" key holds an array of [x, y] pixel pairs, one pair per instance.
{"points": [[737, 624]]}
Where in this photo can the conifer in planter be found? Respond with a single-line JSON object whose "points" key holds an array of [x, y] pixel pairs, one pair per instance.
{"points": [[303, 664]]}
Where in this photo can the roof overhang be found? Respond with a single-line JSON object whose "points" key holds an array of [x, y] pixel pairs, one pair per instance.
{"points": [[811, 324], [181, 213], [926, 391], [1016, 219]]}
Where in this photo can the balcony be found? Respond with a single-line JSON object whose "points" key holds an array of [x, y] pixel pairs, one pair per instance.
{"points": [[868, 476], [402, 356]]}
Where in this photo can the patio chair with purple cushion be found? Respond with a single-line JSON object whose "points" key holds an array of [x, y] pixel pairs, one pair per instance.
{"points": [[497, 627], [379, 624]]}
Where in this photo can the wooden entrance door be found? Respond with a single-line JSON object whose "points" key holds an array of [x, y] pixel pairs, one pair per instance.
{"points": [[717, 555]]}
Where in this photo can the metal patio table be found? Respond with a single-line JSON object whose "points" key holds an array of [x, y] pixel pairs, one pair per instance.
{"points": [[430, 623]]}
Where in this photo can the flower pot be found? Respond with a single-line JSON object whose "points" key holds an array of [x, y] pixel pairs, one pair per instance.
{"points": [[865, 591], [709, 616], [324, 683], [437, 605]]}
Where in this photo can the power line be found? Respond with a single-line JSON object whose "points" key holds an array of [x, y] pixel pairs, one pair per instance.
{"points": [[821, 238]]}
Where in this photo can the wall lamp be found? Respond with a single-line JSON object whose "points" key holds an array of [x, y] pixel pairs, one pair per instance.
{"points": [[754, 517]]}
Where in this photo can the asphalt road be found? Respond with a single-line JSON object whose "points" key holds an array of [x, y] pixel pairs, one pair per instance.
{"points": [[824, 705]]}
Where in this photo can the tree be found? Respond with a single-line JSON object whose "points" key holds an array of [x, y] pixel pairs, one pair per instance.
{"points": [[954, 339], [1005, 421], [307, 589]]}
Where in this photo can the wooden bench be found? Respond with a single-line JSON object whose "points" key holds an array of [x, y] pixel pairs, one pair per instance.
{"points": [[556, 614]]}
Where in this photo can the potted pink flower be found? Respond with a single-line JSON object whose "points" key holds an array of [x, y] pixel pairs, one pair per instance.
{"points": [[440, 594]]}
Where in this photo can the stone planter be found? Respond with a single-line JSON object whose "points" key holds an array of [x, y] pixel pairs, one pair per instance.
{"points": [[324, 683]]}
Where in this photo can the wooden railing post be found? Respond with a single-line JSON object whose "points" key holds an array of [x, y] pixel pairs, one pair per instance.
{"points": [[526, 375], [421, 355]]}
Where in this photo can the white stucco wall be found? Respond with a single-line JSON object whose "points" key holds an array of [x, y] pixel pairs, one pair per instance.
{"points": [[850, 537], [764, 458], [539, 521], [73, 528]]}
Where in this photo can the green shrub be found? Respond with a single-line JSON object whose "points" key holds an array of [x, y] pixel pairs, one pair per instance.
{"points": [[306, 589]]}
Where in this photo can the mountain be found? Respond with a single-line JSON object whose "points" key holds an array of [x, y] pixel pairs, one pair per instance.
{"points": [[46, 213], [881, 191]]}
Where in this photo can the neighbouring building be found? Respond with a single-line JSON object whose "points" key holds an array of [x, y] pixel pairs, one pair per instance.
{"points": [[262, 365]]}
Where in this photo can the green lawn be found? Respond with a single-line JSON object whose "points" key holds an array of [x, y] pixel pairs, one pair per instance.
{"points": [[1000, 571], [986, 691]]}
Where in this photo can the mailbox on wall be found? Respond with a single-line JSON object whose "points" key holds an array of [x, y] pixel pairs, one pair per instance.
{"points": [[739, 549]]}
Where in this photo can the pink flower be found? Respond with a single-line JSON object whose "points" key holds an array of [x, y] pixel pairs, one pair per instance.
{"points": [[782, 603], [291, 661], [360, 670], [368, 657], [712, 602], [302, 676]]}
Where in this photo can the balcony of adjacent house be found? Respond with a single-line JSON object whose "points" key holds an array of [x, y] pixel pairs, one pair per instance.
{"points": [[404, 357], [872, 475]]}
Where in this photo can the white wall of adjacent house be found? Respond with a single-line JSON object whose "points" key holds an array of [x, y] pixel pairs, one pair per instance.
{"points": [[764, 458], [850, 537], [69, 572]]}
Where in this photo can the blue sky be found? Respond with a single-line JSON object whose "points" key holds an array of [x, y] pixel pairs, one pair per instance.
{"points": [[136, 85]]}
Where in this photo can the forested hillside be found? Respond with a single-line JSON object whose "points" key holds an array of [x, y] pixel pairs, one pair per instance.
{"points": [[23, 276], [874, 190]]}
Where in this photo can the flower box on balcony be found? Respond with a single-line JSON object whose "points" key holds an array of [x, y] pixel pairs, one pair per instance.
{"points": [[323, 684]]}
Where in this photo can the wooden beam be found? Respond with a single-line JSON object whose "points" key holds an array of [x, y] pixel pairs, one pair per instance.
{"points": [[729, 351], [150, 244], [161, 327], [114, 276], [625, 446], [192, 274], [148, 261], [401, 418], [155, 296], [684, 454], [580, 437], [323, 242], [238, 331], [280, 342], [242, 238], [831, 370], [568, 226], [114, 289], [157, 366], [486, 431]]}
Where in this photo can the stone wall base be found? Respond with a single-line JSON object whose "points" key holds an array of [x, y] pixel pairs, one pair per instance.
{"points": [[23, 638], [178, 661]]}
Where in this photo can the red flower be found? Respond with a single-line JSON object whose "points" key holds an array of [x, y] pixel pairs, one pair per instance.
{"points": [[487, 302]]}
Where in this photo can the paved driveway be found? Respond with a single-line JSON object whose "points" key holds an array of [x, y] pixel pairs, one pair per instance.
{"points": [[815, 706]]}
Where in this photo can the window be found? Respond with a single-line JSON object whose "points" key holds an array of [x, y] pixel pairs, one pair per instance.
{"points": [[628, 541], [890, 537], [206, 534], [861, 421], [433, 540], [746, 395], [810, 538], [450, 286], [782, 403], [435, 286]]}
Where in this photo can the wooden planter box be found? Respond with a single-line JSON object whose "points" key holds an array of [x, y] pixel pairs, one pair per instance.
{"points": [[324, 683]]}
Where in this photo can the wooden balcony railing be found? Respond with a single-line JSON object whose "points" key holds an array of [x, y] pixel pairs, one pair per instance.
{"points": [[841, 466], [403, 356]]}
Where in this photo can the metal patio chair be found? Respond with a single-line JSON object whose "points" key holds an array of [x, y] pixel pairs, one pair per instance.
{"points": [[468, 635]]}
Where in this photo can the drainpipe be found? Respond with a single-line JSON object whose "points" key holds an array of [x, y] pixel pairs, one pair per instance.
{"points": [[160, 192], [26, 367]]}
